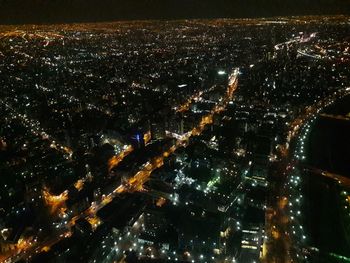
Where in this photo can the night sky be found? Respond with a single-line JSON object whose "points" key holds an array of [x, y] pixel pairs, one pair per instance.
{"points": [[48, 11]]}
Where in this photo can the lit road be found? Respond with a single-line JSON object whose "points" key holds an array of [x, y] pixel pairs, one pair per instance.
{"points": [[278, 219], [195, 97], [186, 106], [332, 52], [309, 112], [299, 39]]}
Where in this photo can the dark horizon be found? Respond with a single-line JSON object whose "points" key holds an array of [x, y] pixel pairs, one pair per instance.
{"points": [[69, 11]]}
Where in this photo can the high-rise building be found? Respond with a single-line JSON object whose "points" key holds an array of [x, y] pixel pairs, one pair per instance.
{"points": [[158, 130]]}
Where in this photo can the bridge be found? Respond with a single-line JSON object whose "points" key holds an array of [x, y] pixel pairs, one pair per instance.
{"points": [[341, 179], [336, 117]]}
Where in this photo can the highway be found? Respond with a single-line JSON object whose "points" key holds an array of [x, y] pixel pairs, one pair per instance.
{"points": [[298, 39]]}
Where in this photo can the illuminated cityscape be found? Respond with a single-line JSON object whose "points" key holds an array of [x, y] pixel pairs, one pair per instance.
{"points": [[198, 140]]}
